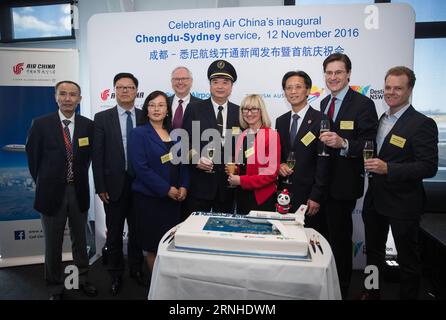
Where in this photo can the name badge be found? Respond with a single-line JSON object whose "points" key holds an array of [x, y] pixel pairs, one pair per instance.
{"points": [[249, 152], [235, 130], [83, 142], [347, 125], [397, 141], [166, 158], [308, 138]]}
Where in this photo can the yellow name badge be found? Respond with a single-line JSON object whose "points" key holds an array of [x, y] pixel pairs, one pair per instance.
{"points": [[249, 152], [166, 158], [347, 125], [235, 130], [83, 142], [397, 141], [308, 138]]}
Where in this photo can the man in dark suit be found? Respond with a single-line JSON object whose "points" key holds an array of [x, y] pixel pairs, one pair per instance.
{"points": [[59, 155], [407, 152], [113, 176], [354, 120], [210, 190], [181, 84], [299, 130]]}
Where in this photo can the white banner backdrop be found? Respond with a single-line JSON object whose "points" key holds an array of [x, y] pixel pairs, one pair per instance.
{"points": [[26, 91], [263, 43]]}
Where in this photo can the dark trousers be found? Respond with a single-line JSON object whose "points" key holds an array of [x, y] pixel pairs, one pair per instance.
{"points": [[340, 231], [53, 230], [405, 234], [116, 212]]}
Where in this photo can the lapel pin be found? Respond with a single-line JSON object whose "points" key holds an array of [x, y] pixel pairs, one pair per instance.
{"points": [[309, 121]]}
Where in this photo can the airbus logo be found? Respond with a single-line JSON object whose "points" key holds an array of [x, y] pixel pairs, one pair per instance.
{"points": [[18, 68]]}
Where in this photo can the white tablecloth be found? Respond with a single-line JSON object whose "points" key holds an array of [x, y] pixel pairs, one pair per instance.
{"points": [[184, 275]]}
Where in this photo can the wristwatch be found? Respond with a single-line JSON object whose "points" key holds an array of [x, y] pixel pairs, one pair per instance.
{"points": [[344, 143]]}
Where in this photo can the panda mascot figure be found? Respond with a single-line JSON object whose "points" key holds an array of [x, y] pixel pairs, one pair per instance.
{"points": [[283, 202]]}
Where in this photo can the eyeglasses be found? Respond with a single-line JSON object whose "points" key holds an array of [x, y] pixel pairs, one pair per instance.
{"points": [[252, 110], [180, 79], [337, 73], [291, 88], [122, 88], [157, 106]]}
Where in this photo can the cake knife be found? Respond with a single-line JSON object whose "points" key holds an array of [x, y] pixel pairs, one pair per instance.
{"points": [[312, 244], [319, 245]]}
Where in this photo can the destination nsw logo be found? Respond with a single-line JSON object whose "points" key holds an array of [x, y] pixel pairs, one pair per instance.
{"points": [[374, 94]]}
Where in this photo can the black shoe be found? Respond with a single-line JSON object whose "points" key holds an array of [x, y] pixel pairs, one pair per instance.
{"points": [[56, 296], [88, 289], [116, 286], [139, 278]]}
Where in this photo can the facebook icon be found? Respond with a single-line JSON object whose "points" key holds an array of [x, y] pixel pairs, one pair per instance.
{"points": [[19, 235]]}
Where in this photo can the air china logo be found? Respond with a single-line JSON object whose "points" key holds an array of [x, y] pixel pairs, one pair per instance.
{"points": [[105, 94], [18, 68], [315, 93]]}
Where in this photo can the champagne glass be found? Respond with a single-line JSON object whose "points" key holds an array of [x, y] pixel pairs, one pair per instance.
{"points": [[290, 162], [210, 155], [367, 153], [232, 169], [325, 127]]}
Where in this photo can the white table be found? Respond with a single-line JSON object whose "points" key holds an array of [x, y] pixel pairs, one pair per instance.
{"points": [[199, 276]]}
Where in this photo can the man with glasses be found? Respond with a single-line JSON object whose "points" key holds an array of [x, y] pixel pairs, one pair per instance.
{"points": [[208, 180], [113, 176], [353, 121], [298, 130], [181, 85]]}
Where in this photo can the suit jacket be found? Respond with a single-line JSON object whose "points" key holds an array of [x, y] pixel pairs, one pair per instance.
{"points": [[311, 172], [204, 185], [109, 169], [47, 161], [400, 192], [346, 181], [152, 177], [261, 170]]}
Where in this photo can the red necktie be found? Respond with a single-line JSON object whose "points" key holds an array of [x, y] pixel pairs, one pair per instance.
{"points": [[178, 117], [69, 150], [331, 108]]}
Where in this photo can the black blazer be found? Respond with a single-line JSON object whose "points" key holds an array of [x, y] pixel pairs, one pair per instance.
{"points": [[108, 152], [311, 172], [346, 181], [400, 193], [47, 162], [204, 185]]}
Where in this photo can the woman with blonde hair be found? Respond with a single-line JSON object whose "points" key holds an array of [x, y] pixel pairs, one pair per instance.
{"points": [[257, 153]]}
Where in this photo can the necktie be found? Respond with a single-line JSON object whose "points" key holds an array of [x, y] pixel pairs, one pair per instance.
{"points": [[69, 150], [129, 127], [331, 108], [178, 117], [293, 131], [220, 120]]}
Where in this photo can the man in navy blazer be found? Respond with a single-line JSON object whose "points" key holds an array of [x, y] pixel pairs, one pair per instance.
{"points": [[310, 175], [58, 149], [113, 177], [407, 153], [210, 190], [354, 120]]}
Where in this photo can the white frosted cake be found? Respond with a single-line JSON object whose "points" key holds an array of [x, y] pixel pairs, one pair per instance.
{"points": [[221, 233]]}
